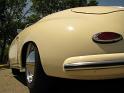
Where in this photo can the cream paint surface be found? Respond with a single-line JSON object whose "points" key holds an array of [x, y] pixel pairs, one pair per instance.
{"points": [[67, 34]]}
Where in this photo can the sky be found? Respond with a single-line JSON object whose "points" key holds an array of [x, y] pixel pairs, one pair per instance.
{"points": [[29, 4], [111, 2]]}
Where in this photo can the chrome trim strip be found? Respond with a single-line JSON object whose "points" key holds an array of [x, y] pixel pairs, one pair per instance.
{"points": [[92, 65]]}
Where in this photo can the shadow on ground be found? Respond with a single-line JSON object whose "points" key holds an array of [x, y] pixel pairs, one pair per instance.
{"points": [[83, 86], [21, 78], [95, 86]]}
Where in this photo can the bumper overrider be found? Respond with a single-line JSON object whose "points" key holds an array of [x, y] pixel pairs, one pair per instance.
{"points": [[91, 62]]}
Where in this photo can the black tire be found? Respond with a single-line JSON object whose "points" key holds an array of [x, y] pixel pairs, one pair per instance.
{"points": [[40, 82], [15, 71]]}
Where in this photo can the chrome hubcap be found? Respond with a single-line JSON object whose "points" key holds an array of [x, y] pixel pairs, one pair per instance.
{"points": [[30, 64], [29, 77]]}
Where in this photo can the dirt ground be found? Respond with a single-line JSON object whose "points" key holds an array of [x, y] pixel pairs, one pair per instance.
{"points": [[10, 83]]}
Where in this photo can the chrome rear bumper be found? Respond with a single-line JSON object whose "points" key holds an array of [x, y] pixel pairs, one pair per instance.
{"points": [[92, 65]]}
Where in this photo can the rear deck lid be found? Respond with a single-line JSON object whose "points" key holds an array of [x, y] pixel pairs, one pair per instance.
{"points": [[98, 9]]}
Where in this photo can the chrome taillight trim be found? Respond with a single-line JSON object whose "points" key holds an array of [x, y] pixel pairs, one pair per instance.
{"points": [[97, 40]]}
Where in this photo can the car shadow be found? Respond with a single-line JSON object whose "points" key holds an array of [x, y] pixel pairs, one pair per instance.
{"points": [[86, 86], [91, 86], [21, 78], [82, 86]]}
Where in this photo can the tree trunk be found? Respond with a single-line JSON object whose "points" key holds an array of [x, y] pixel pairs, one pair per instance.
{"points": [[3, 50]]}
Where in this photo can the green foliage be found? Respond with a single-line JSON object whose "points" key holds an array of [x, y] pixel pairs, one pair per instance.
{"points": [[32, 18], [92, 3], [45, 7], [11, 16]]}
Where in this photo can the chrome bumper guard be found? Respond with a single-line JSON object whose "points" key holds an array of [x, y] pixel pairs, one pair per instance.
{"points": [[92, 65]]}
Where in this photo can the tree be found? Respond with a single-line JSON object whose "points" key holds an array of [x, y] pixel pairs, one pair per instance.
{"points": [[2, 21], [45, 7], [11, 19], [92, 3]]}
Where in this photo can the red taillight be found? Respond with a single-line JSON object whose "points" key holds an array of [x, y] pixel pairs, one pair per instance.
{"points": [[107, 37]]}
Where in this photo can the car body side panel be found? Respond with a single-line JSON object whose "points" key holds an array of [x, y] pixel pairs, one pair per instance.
{"points": [[13, 53], [68, 36]]}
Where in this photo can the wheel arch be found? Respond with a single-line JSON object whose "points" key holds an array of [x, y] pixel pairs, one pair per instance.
{"points": [[23, 53]]}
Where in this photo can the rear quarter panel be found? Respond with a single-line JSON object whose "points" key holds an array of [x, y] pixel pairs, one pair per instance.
{"points": [[60, 38]]}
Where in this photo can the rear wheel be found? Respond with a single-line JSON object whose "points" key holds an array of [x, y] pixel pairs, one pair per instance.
{"points": [[37, 80]]}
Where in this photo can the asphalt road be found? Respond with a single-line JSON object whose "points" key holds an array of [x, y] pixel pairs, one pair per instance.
{"points": [[15, 84], [10, 83]]}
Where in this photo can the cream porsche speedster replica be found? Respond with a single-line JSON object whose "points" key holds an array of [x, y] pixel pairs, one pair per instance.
{"points": [[84, 43]]}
